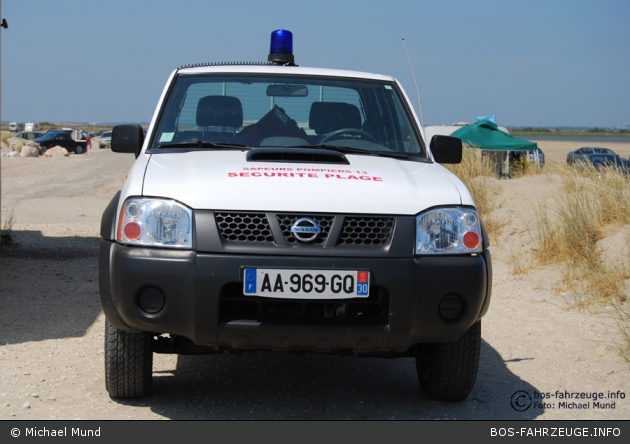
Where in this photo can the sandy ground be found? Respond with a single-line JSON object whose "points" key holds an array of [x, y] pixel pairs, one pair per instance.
{"points": [[51, 326]]}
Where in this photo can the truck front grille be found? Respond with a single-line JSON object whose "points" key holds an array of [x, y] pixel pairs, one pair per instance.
{"points": [[337, 230], [244, 227], [366, 230]]}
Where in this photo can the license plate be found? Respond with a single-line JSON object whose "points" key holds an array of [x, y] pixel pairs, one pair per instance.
{"points": [[311, 284]]}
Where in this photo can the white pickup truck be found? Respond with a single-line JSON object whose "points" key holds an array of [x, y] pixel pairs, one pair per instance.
{"points": [[282, 208]]}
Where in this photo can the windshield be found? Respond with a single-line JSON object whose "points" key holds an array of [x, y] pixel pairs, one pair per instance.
{"points": [[266, 110], [596, 151], [49, 136], [608, 159]]}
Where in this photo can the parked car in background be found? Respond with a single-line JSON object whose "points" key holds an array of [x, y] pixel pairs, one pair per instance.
{"points": [[14, 127], [597, 157], [64, 139], [29, 135], [582, 154], [32, 126], [105, 139]]}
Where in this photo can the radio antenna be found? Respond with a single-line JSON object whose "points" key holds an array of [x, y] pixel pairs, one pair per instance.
{"points": [[414, 81]]}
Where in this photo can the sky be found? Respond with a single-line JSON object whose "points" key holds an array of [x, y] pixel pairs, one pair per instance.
{"points": [[530, 63]]}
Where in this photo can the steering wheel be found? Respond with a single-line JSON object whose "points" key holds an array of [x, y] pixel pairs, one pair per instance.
{"points": [[350, 131]]}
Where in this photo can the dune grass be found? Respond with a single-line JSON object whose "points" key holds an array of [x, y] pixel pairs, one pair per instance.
{"points": [[477, 172], [5, 135], [524, 167], [622, 315], [594, 205], [7, 226]]}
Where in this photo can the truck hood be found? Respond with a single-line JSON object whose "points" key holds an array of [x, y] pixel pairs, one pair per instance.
{"points": [[225, 180]]}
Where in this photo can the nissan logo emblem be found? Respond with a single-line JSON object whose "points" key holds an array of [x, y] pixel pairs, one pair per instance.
{"points": [[305, 229]]}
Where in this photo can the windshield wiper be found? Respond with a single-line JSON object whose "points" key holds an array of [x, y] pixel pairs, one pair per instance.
{"points": [[202, 144], [348, 150]]}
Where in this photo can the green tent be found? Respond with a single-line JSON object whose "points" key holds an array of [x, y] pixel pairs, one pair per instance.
{"points": [[487, 136]]}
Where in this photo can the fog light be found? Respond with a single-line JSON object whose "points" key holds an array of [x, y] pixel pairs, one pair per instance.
{"points": [[151, 300], [451, 307]]}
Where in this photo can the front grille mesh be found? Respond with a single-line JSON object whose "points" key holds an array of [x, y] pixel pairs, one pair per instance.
{"points": [[244, 227], [286, 220], [256, 228], [366, 230]]}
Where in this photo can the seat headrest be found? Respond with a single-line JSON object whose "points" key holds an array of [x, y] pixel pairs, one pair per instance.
{"points": [[220, 111], [326, 117]]}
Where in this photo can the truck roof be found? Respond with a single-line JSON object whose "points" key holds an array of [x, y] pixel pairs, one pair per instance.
{"points": [[261, 68]]}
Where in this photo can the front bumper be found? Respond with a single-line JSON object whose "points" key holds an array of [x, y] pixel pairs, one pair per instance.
{"points": [[202, 293]]}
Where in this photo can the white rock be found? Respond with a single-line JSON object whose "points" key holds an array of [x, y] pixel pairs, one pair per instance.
{"points": [[56, 151], [29, 151]]}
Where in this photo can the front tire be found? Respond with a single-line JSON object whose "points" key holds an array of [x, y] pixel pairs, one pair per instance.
{"points": [[128, 363], [447, 371]]}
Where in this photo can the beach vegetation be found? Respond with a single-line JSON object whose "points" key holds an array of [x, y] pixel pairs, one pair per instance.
{"points": [[7, 227], [572, 230], [478, 173]]}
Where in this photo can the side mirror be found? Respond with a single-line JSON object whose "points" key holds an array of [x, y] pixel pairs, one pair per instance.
{"points": [[446, 149], [127, 139]]}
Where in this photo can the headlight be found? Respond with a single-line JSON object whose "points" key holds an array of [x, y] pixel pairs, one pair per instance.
{"points": [[448, 231], [155, 222]]}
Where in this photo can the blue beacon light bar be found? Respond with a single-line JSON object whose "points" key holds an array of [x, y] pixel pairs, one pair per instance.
{"points": [[281, 47]]}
